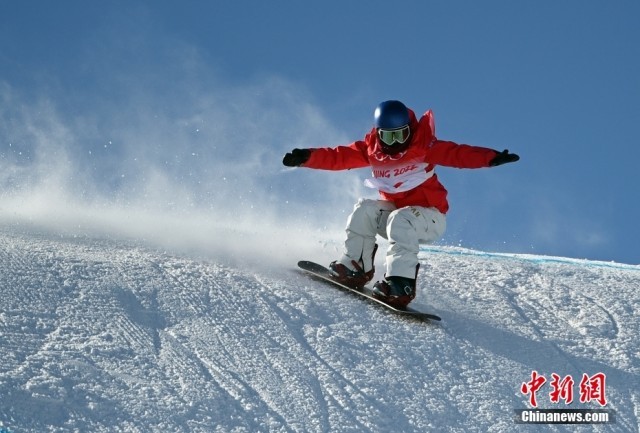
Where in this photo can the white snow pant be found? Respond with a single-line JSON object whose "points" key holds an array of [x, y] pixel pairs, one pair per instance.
{"points": [[405, 228]]}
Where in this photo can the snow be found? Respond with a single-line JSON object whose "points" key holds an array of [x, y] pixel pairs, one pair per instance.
{"points": [[104, 333]]}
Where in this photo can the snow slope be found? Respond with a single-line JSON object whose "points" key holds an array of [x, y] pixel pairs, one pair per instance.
{"points": [[105, 335]]}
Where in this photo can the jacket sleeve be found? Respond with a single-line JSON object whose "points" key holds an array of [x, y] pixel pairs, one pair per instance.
{"points": [[338, 158], [450, 154]]}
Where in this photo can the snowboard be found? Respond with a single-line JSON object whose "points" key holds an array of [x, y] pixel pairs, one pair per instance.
{"points": [[322, 273]]}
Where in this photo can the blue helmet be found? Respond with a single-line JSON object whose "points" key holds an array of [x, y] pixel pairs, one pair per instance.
{"points": [[391, 115], [392, 125]]}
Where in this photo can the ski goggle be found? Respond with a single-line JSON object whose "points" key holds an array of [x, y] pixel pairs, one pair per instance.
{"points": [[391, 136]]}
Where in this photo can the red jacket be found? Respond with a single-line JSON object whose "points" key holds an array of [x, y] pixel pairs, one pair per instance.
{"points": [[408, 178]]}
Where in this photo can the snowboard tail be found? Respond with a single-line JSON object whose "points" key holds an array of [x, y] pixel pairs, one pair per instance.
{"points": [[320, 272]]}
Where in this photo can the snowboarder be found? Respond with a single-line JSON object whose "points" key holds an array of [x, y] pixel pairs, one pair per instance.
{"points": [[402, 152]]}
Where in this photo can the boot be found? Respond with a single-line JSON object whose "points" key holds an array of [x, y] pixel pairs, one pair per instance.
{"points": [[396, 291], [356, 278]]}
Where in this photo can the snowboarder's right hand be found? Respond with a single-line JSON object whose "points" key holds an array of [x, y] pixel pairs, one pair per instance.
{"points": [[296, 157]]}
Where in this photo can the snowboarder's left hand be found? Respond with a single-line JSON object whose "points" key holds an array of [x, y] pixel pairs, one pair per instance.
{"points": [[503, 157]]}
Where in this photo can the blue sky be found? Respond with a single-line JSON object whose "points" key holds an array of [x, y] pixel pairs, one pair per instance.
{"points": [[116, 96]]}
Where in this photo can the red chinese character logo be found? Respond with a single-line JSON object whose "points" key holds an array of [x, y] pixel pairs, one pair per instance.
{"points": [[562, 389], [593, 388], [532, 387]]}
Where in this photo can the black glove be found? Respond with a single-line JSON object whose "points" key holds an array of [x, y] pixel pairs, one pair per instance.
{"points": [[503, 157], [296, 157]]}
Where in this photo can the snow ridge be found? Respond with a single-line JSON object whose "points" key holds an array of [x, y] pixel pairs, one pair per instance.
{"points": [[106, 335]]}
